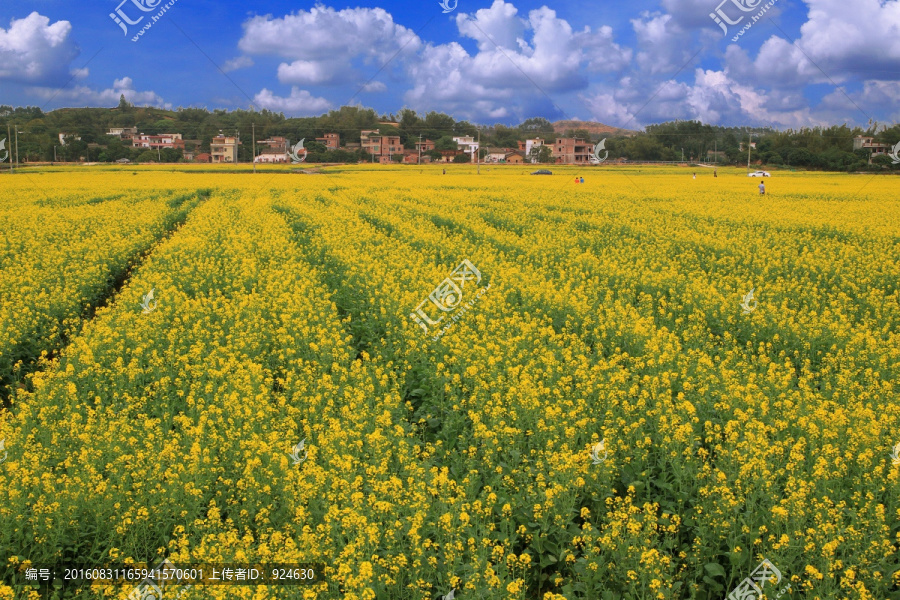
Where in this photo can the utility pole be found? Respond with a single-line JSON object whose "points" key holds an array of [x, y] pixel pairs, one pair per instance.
{"points": [[17, 146], [159, 151], [420, 149], [7, 137], [253, 125], [682, 155], [54, 152], [478, 151], [749, 147]]}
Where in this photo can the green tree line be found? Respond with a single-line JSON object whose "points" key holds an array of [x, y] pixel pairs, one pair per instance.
{"points": [[826, 148]]}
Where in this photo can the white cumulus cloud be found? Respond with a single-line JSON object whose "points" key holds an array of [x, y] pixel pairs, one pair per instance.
{"points": [[299, 103], [321, 43], [240, 62], [35, 51], [523, 66], [86, 96]]}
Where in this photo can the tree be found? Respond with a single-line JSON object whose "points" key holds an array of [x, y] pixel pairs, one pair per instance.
{"points": [[535, 126], [439, 124], [544, 154], [644, 147], [148, 156], [505, 137], [409, 119], [462, 158], [579, 133], [115, 150], [772, 158], [124, 105], [316, 152], [465, 129], [801, 157], [883, 161], [446, 143]]}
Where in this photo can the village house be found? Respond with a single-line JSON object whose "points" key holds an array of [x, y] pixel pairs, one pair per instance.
{"points": [[572, 151], [382, 148], [271, 157], [411, 157], [123, 133], [224, 149], [502, 155], [274, 145], [425, 145], [64, 136], [861, 142], [162, 141], [449, 155], [272, 150], [468, 145], [528, 146], [332, 141]]}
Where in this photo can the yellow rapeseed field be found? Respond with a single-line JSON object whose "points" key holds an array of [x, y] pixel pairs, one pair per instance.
{"points": [[507, 386]]}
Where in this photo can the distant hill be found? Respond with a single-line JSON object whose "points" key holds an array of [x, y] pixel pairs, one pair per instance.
{"points": [[593, 127]]}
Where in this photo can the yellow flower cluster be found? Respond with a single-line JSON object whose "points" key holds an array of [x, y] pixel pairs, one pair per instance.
{"points": [[461, 461], [62, 255]]}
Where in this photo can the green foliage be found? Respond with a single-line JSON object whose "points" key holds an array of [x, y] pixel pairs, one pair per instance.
{"points": [[446, 143], [537, 126], [829, 148], [148, 156]]}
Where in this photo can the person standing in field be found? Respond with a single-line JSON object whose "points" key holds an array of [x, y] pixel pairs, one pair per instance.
{"points": [[762, 188], [582, 180], [715, 172], [695, 176]]}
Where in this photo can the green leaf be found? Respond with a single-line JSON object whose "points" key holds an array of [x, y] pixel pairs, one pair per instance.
{"points": [[713, 584], [715, 569]]}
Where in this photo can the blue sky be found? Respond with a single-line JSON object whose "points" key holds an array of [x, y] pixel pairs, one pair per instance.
{"points": [[628, 64]]}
